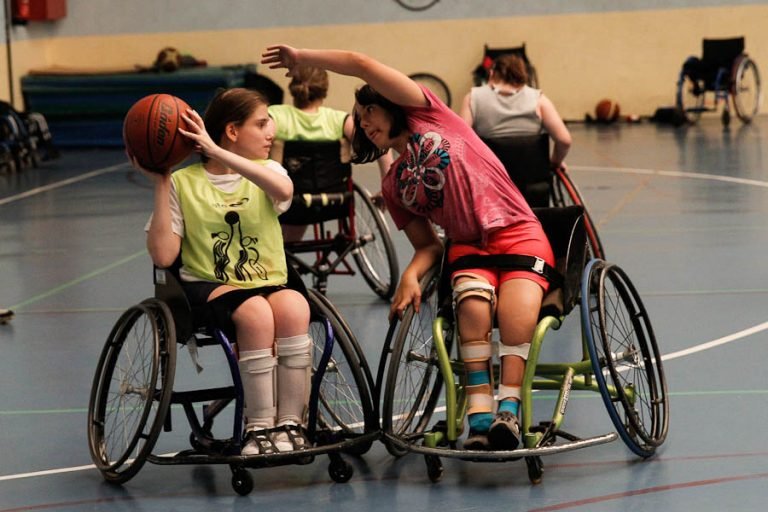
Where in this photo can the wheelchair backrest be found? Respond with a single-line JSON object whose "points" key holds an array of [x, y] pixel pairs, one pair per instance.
{"points": [[526, 159], [567, 236], [316, 167], [721, 53]]}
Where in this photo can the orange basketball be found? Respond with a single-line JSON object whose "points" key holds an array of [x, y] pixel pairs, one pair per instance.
{"points": [[607, 111], [150, 132]]}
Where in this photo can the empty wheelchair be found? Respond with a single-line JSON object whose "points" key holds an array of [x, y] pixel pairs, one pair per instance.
{"points": [[723, 74], [133, 392], [346, 226], [424, 386], [480, 73], [526, 159]]}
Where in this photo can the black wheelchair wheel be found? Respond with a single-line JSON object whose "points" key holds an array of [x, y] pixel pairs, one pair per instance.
{"points": [[625, 357], [746, 88], [416, 5], [131, 390], [375, 255], [565, 193], [344, 404], [435, 84], [690, 97], [413, 381]]}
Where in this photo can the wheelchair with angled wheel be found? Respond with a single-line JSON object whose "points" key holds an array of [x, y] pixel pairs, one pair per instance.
{"points": [[424, 402], [723, 74], [345, 223], [526, 159], [133, 392]]}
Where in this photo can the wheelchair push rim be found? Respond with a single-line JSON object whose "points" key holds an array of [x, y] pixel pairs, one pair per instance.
{"points": [[131, 390], [413, 379], [746, 89], [375, 252], [345, 407], [625, 357]]}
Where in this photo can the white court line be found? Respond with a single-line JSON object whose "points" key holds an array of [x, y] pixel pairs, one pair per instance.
{"points": [[672, 174], [62, 183], [46, 473], [716, 343]]}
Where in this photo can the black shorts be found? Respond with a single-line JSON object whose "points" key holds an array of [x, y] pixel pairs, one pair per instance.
{"points": [[219, 310]]}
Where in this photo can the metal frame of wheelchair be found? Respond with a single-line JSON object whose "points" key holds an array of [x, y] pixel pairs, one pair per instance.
{"points": [[730, 83], [620, 361], [359, 229], [132, 393]]}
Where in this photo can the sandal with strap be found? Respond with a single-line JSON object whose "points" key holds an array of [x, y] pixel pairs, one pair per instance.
{"points": [[258, 442], [298, 438]]}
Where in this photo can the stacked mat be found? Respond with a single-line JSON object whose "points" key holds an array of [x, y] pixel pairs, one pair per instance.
{"points": [[88, 109]]}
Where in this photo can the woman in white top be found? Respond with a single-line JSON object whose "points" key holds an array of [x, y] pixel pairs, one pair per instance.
{"points": [[506, 107]]}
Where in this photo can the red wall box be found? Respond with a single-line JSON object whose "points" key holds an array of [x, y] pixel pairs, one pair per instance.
{"points": [[39, 10]]}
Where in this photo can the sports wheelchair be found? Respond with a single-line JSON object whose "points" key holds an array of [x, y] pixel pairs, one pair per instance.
{"points": [[133, 392], [324, 195], [424, 395], [725, 70], [480, 73], [526, 159]]}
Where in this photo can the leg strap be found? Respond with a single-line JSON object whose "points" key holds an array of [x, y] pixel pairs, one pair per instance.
{"points": [[474, 288], [257, 371], [480, 382], [509, 392], [475, 351], [520, 350]]}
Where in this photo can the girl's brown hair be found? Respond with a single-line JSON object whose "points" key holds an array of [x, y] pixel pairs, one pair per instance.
{"points": [[230, 106], [362, 148], [308, 85], [511, 69]]}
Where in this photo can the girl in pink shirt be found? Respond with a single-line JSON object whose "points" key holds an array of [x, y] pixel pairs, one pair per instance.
{"points": [[445, 174]]}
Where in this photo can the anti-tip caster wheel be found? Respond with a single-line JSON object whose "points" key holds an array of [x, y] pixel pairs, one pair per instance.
{"points": [[340, 471], [434, 468], [242, 481], [535, 469]]}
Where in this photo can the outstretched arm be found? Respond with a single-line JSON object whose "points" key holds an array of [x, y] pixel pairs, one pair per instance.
{"points": [[389, 82]]}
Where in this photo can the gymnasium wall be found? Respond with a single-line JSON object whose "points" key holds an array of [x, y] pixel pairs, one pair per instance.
{"points": [[583, 50]]}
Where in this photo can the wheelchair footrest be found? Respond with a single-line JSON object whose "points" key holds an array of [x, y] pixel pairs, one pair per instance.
{"points": [[500, 456]]}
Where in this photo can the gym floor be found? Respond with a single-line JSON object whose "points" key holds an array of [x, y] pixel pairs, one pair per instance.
{"points": [[681, 210]]}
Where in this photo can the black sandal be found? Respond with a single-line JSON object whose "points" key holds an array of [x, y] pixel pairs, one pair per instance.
{"points": [[261, 440], [298, 438]]}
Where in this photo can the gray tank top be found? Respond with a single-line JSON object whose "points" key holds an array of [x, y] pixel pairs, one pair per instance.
{"points": [[497, 115]]}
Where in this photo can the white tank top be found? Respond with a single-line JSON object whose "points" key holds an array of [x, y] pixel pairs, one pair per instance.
{"points": [[497, 115]]}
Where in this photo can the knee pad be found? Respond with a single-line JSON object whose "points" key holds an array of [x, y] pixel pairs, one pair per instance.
{"points": [[294, 352], [257, 372]]}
